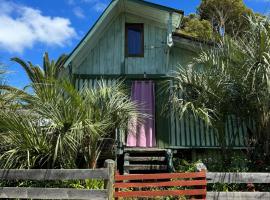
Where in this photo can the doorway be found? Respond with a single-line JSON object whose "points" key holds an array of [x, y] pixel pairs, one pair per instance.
{"points": [[143, 134]]}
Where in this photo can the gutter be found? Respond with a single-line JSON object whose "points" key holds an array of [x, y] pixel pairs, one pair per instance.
{"points": [[169, 40]]}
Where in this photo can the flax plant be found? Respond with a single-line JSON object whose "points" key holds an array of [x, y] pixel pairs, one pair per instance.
{"points": [[232, 77]]}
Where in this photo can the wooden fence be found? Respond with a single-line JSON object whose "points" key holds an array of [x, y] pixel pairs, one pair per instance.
{"points": [[216, 177], [106, 174], [191, 184], [197, 181]]}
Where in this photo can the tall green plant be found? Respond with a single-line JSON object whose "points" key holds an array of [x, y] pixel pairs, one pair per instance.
{"points": [[60, 123], [64, 125], [8, 95], [42, 79], [232, 78]]}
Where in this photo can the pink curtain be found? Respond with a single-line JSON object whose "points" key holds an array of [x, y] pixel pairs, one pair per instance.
{"points": [[143, 134]]}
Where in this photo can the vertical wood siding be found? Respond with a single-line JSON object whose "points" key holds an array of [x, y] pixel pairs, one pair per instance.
{"points": [[180, 57], [92, 83], [191, 132], [154, 60], [187, 132], [107, 55]]}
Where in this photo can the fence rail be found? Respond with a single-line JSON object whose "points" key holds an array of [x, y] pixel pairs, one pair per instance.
{"points": [[106, 174], [53, 174], [190, 184], [238, 195], [197, 180], [217, 177]]}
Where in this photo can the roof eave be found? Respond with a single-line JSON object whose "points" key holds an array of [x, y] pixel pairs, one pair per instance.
{"points": [[99, 21], [83, 40]]}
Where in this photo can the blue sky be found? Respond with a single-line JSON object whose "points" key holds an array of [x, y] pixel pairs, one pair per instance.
{"points": [[28, 28]]}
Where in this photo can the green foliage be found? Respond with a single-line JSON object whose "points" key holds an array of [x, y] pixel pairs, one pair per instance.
{"points": [[182, 165], [88, 184], [195, 27], [61, 126], [23, 143], [236, 161], [226, 16], [72, 122], [231, 78], [217, 18], [78, 184]]}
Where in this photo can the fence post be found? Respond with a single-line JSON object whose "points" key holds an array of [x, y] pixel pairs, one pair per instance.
{"points": [[109, 164], [200, 167]]}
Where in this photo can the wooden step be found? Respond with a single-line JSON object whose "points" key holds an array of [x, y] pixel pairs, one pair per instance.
{"points": [[144, 159], [145, 167], [143, 150]]}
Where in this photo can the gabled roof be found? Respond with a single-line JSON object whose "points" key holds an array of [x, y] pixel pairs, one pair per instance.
{"points": [[146, 9]]}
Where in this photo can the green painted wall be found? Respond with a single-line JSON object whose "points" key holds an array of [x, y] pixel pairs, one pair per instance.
{"points": [[179, 56], [188, 132], [154, 60], [107, 55]]}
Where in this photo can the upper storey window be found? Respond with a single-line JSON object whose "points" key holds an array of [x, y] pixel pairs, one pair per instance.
{"points": [[134, 40]]}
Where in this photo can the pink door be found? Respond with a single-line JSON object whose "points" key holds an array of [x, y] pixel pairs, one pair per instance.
{"points": [[143, 134]]}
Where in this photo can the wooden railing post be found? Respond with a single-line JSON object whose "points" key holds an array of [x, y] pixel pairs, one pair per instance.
{"points": [[200, 167], [110, 165]]}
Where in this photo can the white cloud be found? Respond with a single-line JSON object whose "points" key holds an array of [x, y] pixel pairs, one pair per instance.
{"points": [[22, 27], [78, 12]]}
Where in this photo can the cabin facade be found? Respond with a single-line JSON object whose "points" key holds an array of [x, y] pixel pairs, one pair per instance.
{"points": [[138, 41]]}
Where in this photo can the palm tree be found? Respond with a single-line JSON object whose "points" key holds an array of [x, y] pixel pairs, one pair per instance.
{"points": [[71, 123], [62, 122], [50, 71], [41, 79], [8, 99]]}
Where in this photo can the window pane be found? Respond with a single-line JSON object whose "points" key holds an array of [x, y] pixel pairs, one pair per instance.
{"points": [[134, 40]]}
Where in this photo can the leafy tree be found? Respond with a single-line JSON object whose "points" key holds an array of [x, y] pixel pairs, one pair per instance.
{"points": [[226, 16], [193, 26]]}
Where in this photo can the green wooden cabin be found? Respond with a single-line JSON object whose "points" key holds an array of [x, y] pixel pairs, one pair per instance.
{"points": [[104, 53]]}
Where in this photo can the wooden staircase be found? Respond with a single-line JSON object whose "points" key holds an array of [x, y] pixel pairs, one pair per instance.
{"points": [[147, 160]]}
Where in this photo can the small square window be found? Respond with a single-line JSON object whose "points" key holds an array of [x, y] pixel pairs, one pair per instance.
{"points": [[134, 40]]}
